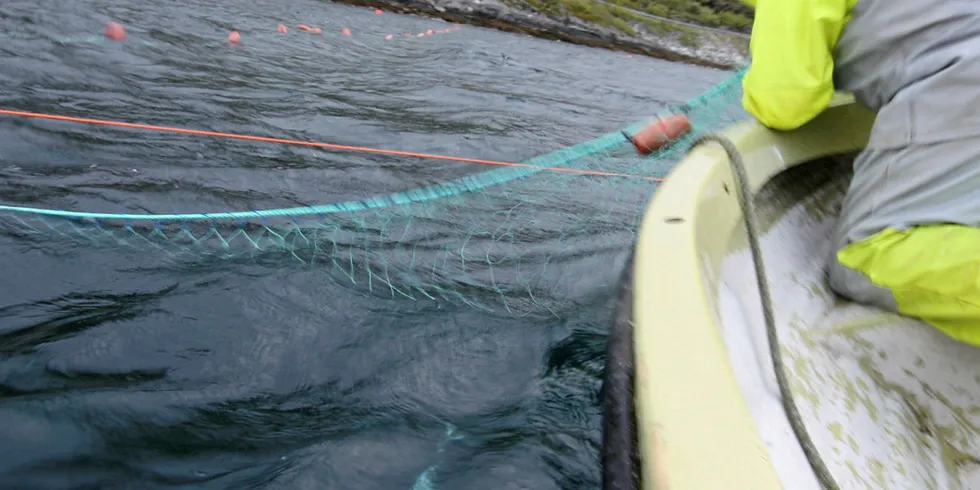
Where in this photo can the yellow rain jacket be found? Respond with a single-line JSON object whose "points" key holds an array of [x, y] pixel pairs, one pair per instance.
{"points": [[791, 79], [908, 237]]}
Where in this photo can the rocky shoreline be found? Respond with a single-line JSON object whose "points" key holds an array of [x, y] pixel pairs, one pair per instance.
{"points": [[707, 48]]}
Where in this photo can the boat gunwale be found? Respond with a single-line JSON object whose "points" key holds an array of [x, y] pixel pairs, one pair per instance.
{"points": [[694, 426]]}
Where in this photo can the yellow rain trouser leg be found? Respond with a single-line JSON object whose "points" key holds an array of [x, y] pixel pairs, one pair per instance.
{"points": [[932, 271]]}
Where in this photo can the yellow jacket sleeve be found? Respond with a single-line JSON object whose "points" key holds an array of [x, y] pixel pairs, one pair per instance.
{"points": [[791, 78]]}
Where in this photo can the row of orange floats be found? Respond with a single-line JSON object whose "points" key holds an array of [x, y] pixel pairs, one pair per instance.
{"points": [[235, 36], [429, 32], [117, 32], [655, 136]]}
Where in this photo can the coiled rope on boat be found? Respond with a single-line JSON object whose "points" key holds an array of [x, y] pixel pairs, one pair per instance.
{"points": [[747, 205]]}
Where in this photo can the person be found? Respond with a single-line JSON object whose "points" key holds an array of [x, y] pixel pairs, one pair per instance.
{"points": [[908, 236]]}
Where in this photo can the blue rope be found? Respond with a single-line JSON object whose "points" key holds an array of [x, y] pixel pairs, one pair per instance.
{"points": [[424, 480]]}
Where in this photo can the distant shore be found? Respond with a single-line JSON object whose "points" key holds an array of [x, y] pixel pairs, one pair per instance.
{"points": [[635, 34]]}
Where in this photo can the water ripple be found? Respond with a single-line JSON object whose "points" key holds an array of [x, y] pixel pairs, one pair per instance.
{"points": [[118, 374]]}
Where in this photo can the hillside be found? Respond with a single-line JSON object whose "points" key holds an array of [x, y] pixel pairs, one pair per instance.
{"points": [[706, 32], [729, 15]]}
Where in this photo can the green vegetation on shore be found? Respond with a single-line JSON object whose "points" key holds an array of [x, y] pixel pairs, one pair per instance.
{"points": [[656, 36], [731, 15]]}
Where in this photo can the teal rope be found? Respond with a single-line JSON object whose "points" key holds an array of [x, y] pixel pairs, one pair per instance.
{"points": [[452, 188], [424, 480], [463, 185]]}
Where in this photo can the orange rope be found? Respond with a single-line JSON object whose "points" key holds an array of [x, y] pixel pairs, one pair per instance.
{"points": [[315, 144]]}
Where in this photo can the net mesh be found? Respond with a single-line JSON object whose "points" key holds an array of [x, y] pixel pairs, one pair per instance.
{"points": [[518, 238]]}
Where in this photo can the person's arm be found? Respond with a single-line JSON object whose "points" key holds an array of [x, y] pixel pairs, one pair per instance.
{"points": [[790, 80]]}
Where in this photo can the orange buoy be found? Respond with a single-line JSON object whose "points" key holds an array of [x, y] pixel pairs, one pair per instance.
{"points": [[314, 30], [389, 37], [378, 11], [234, 37], [345, 31], [282, 29], [660, 133], [115, 31]]}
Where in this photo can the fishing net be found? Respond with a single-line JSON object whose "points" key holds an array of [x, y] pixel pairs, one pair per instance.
{"points": [[524, 238]]}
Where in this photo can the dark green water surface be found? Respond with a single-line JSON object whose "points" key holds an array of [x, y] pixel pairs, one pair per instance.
{"points": [[118, 375]]}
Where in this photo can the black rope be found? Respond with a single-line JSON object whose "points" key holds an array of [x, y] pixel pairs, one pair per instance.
{"points": [[747, 205], [620, 456]]}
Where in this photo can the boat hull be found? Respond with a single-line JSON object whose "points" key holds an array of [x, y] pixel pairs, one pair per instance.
{"points": [[699, 425]]}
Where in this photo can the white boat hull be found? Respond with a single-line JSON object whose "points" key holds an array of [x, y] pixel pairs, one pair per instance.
{"points": [[888, 402]]}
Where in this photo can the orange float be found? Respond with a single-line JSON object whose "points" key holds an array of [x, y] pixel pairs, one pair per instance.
{"points": [[660, 133], [115, 31]]}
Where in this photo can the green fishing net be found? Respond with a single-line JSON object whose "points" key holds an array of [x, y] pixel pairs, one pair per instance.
{"points": [[504, 238]]}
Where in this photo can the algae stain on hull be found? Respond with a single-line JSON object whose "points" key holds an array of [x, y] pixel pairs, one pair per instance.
{"points": [[930, 433]]}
